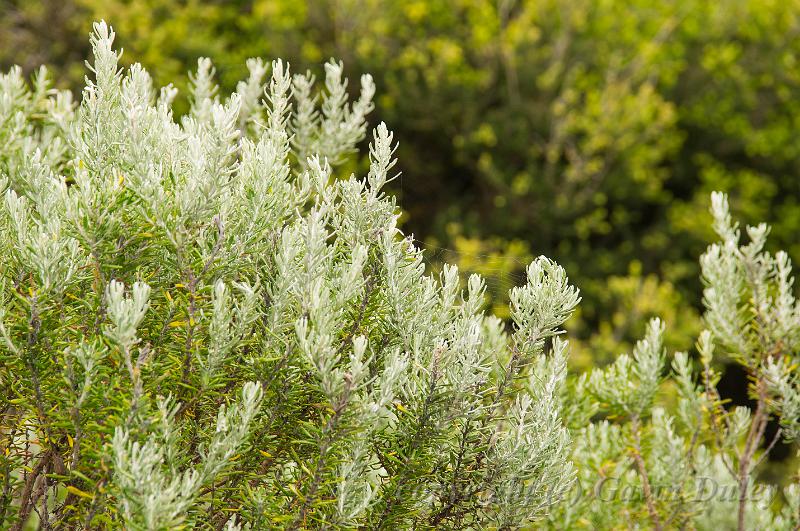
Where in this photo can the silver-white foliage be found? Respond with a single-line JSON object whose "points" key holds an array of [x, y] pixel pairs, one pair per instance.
{"points": [[155, 498], [630, 383], [236, 207], [695, 466], [283, 264]]}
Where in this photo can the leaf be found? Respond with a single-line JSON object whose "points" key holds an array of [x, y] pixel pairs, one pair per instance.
{"points": [[78, 492]]}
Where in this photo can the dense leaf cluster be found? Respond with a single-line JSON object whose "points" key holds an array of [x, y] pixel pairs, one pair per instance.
{"points": [[590, 132], [202, 327]]}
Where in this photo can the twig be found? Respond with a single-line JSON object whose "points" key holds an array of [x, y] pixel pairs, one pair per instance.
{"points": [[640, 465], [754, 435], [328, 432], [413, 443], [29, 497]]}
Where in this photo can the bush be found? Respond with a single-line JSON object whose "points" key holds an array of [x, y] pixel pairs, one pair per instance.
{"points": [[590, 132], [202, 328]]}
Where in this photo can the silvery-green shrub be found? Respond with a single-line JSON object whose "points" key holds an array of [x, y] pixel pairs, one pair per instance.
{"points": [[204, 326]]}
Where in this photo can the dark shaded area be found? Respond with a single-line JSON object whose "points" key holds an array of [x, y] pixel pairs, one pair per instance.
{"points": [[732, 387]]}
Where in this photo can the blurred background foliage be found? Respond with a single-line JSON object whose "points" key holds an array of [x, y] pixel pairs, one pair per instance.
{"points": [[590, 131]]}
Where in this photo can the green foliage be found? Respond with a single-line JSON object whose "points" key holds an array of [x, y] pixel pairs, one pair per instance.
{"points": [[202, 328], [591, 132], [694, 463]]}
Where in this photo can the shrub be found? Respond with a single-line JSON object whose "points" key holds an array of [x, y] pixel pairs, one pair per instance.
{"points": [[201, 327], [590, 132], [696, 466]]}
